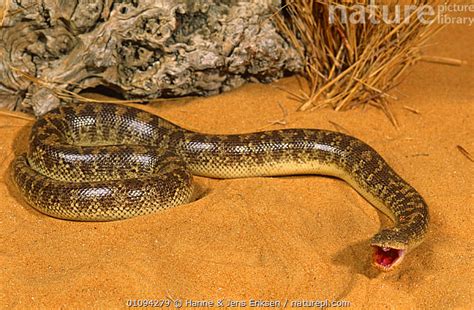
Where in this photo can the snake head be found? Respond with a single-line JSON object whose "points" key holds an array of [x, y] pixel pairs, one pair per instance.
{"points": [[389, 248]]}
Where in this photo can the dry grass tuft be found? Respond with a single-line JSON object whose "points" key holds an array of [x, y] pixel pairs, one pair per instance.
{"points": [[349, 64]]}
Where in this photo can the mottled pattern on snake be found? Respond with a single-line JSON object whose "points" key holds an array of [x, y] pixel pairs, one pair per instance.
{"points": [[99, 162]]}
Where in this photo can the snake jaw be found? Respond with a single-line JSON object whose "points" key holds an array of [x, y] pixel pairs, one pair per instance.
{"points": [[386, 258]]}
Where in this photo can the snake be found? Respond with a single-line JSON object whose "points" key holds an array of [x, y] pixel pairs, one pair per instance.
{"points": [[105, 161]]}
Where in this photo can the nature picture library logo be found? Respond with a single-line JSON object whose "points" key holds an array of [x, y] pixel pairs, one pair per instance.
{"points": [[374, 13]]}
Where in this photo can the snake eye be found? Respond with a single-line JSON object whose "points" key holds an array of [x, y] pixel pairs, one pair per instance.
{"points": [[387, 258]]}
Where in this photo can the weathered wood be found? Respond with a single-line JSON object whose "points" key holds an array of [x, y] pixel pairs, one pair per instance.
{"points": [[140, 48]]}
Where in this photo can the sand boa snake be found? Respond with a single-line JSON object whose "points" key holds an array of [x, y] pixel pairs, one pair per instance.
{"points": [[99, 162]]}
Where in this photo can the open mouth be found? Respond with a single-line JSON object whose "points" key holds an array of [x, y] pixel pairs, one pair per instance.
{"points": [[387, 258]]}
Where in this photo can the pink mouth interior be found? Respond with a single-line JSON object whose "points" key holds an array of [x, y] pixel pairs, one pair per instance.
{"points": [[385, 258]]}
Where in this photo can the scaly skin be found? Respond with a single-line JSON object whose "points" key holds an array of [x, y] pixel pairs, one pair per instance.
{"points": [[100, 162]]}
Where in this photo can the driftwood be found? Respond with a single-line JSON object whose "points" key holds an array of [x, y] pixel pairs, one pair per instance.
{"points": [[138, 48]]}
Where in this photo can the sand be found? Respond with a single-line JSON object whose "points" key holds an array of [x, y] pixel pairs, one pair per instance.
{"points": [[270, 239]]}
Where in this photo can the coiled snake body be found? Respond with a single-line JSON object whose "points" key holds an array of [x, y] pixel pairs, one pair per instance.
{"points": [[100, 162]]}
